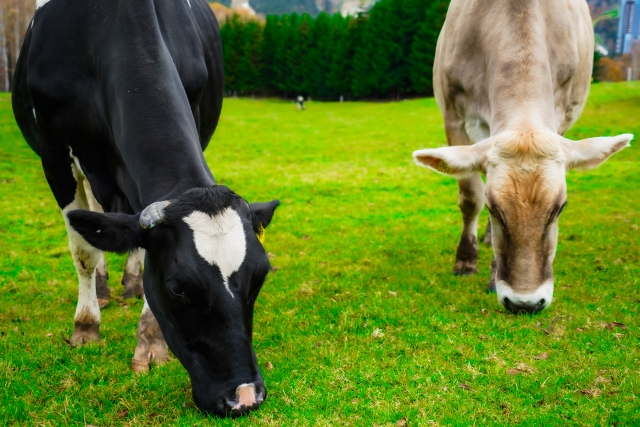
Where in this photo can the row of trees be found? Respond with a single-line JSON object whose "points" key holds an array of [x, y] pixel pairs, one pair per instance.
{"points": [[387, 53]]}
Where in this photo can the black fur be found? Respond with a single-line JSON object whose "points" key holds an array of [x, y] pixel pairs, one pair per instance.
{"points": [[111, 232], [262, 213], [133, 90], [211, 200]]}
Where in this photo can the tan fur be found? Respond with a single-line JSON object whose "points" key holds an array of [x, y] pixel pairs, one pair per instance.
{"points": [[514, 64], [515, 72], [510, 77]]}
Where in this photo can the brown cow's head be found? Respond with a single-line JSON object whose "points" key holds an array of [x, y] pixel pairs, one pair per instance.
{"points": [[525, 194]]}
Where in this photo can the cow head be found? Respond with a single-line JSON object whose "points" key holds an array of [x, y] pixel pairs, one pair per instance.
{"points": [[525, 194], [204, 267]]}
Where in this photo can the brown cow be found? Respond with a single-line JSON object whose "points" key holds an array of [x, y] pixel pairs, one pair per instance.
{"points": [[511, 77]]}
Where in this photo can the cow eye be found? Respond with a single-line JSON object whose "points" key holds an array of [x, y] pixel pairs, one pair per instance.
{"points": [[176, 289], [562, 208]]}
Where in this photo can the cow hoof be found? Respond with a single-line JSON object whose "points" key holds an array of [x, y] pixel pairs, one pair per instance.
{"points": [[491, 287], [102, 303], [158, 356], [84, 337], [139, 366], [465, 268]]}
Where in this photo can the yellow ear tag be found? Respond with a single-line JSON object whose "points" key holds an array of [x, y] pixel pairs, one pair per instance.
{"points": [[260, 234], [444, 168]]}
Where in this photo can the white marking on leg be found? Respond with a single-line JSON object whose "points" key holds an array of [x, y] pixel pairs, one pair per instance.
{"points": [[134, 263], [219, 240], [94, 206], [85, 257], [145, 308], [140, 253], [544, 291]]}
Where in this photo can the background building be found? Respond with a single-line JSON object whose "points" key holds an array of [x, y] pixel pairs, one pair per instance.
{"points": [[628, 26]]}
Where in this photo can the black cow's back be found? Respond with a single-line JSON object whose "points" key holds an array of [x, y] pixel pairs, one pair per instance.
{"points": [[115, 83]]}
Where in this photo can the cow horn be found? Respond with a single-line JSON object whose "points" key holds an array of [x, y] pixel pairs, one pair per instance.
{"points": [[152, 215]]}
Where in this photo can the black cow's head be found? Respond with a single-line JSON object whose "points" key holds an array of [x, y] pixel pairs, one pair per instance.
{"points": [[204, 267]]}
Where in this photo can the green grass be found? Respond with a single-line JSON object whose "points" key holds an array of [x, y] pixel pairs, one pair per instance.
{"points": [[358, 221]]}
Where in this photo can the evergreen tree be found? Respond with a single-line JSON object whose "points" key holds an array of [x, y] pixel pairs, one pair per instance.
{"points": [[249, 64], [388, 52], [306, 57], [411, 13], [291, 51], [341, 71], [231, 36], [269, 53], [423, 49], [378, 53], [319, 59], [284, 43]]}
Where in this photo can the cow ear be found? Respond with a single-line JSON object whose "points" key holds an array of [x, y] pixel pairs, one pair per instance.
{"points": [[261, 215], [592, 152], [459, 161], [111, 232]]}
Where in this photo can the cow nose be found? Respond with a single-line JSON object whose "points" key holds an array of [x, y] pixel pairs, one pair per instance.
{"points": [[246, 398], [520, 307]]}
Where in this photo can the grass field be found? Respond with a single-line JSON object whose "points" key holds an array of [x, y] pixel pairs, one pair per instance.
{"points": [[363, 322]]}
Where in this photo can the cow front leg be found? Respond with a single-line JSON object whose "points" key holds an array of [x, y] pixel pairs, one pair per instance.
{"points": [[487, 236], [151, 344], [132, 278], [102, 276], [102, 282], [491, 286], [86, 324], [470, 201]]}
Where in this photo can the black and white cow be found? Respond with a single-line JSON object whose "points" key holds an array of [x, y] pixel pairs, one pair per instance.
{"points": [[119, 98]]}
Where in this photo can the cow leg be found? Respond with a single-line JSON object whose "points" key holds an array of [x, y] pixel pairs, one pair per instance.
{"points": [[470, 201], [487, 236], [470, 190], [491, 286], [151, 344], [102, 283], [132, 278], [102, 275], [86, 326]]}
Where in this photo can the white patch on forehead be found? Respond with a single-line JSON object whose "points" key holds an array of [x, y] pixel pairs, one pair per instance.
{"points": [[219, 240], [40, 3]]}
